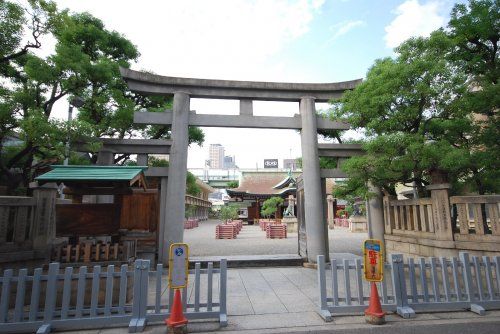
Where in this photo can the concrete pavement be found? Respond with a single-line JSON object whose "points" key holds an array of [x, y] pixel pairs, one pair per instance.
{"points": [[285, 300], [252, 241]]}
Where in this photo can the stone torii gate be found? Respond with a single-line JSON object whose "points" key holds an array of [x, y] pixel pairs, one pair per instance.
{"points": [[181, 117]]}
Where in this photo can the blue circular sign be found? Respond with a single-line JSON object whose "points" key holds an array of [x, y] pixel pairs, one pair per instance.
{"points": [[179, 251]]}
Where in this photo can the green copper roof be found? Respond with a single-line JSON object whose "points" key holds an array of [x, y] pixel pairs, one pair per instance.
{"points": [[91, 173]]}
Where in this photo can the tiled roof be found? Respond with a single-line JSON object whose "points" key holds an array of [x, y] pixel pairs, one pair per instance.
{"points": [[263, 183], [260, 183]]}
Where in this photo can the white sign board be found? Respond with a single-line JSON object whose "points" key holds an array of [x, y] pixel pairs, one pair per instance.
{"points": [[270, 163], [178, 269]]}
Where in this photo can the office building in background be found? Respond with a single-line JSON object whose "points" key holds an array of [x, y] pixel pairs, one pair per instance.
{"points": [[292, 164], [216, 156]]}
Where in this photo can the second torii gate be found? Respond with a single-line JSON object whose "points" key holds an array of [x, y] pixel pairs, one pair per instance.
{"points": [[181, 117]]}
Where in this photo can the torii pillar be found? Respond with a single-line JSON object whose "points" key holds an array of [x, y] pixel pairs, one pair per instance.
{"points": [[317, 239], [173, 231]]}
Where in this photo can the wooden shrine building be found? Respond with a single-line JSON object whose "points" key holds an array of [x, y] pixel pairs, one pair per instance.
{"points": [[257, 186]]}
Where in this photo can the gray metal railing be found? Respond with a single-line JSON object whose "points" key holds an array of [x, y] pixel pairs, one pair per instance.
{"points": [[104, 297], [428, 284]]}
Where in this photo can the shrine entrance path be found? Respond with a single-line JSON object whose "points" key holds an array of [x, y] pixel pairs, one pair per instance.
{"points": [[252, 241]]}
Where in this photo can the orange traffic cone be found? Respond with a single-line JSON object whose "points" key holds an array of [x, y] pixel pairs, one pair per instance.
{"points": [[176, 320], [374, 314]]}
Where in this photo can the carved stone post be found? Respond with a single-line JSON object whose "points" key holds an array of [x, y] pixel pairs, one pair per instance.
{"points": [[105, 158], [161, 228], [44, 224], [441, 211], [331, 215], [389, 214], [375, 213]]}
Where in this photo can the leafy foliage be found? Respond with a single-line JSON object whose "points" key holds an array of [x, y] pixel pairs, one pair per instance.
{"points": [[190, 211], [422, 110], [191, 187], [233, 184], [228, 212], [270, 206], [157, 162], [85, 62]]}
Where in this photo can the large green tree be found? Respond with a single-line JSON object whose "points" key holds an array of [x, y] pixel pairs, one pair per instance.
{"points": [[421, 112], [85, 62]]}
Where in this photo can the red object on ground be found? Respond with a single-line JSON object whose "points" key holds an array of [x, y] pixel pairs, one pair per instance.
{"points": [[374, 308], [276, 231], [225, 231], [176, 317]]}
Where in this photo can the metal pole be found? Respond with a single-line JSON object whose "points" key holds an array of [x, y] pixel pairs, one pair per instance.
{"points": [[70, 118]]}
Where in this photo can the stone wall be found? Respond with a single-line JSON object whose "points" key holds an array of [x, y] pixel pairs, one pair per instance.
{"points": [[442, 225]]}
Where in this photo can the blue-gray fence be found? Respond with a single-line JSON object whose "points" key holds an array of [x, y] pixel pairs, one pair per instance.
{"points": [[70, 298], [425, 284]]}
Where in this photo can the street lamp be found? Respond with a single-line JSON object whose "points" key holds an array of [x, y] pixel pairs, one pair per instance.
{"points": [[76, 101]]}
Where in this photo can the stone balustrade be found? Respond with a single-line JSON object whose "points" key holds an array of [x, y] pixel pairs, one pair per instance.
{"points": [[442, 225]]}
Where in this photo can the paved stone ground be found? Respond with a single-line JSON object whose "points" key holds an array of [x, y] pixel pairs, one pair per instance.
{"points": [[252, 241], [285, 300]]}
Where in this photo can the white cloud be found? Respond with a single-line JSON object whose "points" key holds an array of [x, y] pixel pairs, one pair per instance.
{"points": [[413, 19], [344, 27], [317, 4], [341, 29], [224, 39], [214, 39]]}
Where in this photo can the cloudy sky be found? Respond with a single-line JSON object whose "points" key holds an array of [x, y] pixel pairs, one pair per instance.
{"points": [[266, 40]]}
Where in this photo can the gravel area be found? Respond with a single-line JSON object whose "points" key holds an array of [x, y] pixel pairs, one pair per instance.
{"points": [[252, 241]]}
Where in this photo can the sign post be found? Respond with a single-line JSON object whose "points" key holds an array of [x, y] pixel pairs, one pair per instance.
{"points": [[178, 274], [373, 259]]}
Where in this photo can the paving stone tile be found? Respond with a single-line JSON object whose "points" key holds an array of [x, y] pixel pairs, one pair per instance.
{"points": [[239, 306]]}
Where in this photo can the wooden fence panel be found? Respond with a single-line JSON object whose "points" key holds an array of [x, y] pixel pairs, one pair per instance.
{"points": [[87, 219], [140, 211]]}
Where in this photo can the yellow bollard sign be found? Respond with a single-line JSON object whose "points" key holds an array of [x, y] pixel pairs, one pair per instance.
{"points": [[373, 260], [178, 265]]}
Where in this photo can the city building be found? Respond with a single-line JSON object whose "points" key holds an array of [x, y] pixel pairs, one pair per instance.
{"points": [[216, 156], [292, 164], [229, 162]]}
